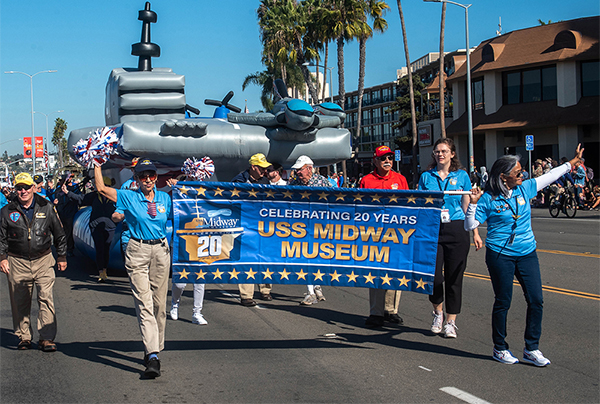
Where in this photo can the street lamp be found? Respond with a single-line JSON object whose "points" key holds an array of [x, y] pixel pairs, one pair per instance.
{"points": [[31, 76], [47, 143], [330, 77], [469, 106]]}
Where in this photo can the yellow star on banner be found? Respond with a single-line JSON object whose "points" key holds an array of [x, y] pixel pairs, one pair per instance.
{"points": [[219, 191], [301, 274], [429, 200], [270, 193], [184, 190], [323, 195], [183, 274], [369, 278], [305, 195], [285, 274], [288, 194], [235, 192], [339, 196], [376, 198], [268, 274], [393, 198], [421, 284], [386, 279], [404, 281], [234, 274], [335, 276], [201, 191], [352, 277], [250, 274], [253, 193], [412, 199], [319, 275], [200, 274], [358, 197], [218, 274]]}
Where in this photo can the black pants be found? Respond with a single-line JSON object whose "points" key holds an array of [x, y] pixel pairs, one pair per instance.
{"points": [[67, 222], [453, 248], [102, 240]]}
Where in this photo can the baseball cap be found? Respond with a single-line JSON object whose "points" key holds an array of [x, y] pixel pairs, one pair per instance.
{"points": [[260, 160], [145, 165], [109, 182], [302, 161], [382, 151], [23, 178], [38, 179], [134, 162]]}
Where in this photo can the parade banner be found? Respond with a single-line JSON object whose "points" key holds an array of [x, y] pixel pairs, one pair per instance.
{"points": [[246, 233], [27, 148], [39, 147]]}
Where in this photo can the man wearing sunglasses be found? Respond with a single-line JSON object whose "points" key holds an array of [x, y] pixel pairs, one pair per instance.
{"points": [[27, 226], [383, 303]]}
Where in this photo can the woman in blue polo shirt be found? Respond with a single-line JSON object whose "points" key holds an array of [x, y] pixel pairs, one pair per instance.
{"points": [[445, 173], [510, 248], [147, 258]]}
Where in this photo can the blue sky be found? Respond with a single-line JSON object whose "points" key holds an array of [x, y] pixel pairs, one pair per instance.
{"points": [[215, 44]]}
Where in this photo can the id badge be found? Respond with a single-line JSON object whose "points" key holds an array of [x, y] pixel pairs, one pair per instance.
{"points": [[511, 239], [445, 215]]}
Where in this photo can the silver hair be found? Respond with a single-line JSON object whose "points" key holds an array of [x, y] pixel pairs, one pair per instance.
{"points": [[504, 165]]}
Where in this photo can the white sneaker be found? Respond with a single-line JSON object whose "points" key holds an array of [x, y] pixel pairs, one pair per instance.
{"points": [[505, 357], [174, 312], [438, 321], [319, 293], [535, 358], [198, 318], [309, 299], [450, 329]]}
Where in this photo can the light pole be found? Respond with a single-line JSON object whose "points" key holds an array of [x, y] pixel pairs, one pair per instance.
{"points": [[31, 76], [469, 105], [47, 143], [330, 77]]}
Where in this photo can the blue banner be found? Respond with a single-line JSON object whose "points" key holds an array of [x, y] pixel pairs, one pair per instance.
{"points": [[246, 233]]}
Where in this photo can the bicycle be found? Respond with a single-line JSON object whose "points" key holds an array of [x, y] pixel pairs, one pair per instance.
{"points": [[563, 201]]}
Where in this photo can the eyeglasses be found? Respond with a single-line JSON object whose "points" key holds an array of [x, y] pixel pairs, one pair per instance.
{"points": [[19, 188], [386, 157], [444, 152], [150, 177]]}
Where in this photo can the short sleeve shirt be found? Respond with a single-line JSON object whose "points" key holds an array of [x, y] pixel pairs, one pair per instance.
{"points": [[455, 181], [393, 180], [506, 216], [141, 224]]}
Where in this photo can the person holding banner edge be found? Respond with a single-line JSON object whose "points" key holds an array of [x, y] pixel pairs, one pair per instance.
{"points": [[445, 173], [383, 303], [511, 248]]}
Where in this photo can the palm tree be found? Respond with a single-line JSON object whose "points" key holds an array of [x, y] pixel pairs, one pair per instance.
{"points": [[58, 139], [412, 96], [442, 79]]}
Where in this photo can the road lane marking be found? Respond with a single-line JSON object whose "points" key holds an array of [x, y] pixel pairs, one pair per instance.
{"points": [[552, 289], [585, 254], [424, 368], [463, 395]]}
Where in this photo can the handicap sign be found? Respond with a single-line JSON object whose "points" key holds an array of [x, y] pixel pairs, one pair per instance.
{"points": [[398, 155], [529, 142]]}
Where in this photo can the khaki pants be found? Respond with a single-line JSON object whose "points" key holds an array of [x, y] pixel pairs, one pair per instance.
{"points": [[384, 301], [22, 275], [148, 270], [247, 289]]}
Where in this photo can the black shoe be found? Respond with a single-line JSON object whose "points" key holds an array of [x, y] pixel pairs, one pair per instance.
{"points": [[248, 302], [393, 318], [266, 296], [152, 368], [374, 322]]}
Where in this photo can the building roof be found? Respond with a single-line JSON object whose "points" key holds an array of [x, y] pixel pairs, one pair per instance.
{"points": [[540, 45]]}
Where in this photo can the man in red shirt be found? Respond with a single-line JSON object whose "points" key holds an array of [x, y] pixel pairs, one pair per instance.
{"points": [[384, 303]]}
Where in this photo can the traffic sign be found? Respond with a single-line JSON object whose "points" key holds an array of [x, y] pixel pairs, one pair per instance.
{"points": [[398, 155], [529, 142]]}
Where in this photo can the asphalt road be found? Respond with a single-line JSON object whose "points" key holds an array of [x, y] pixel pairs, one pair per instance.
{"points": [[280, 352]]}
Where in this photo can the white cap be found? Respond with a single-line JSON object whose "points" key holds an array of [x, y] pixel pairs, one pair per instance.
{"points": [[302, 161]]}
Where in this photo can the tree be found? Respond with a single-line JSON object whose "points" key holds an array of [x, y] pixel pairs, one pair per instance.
{"points": [[58, 139], [442, 72], [402, 105]]}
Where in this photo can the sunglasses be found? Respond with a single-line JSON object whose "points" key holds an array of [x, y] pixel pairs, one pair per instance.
{"points": [[385, 158], [23, 187], [150, 177]]}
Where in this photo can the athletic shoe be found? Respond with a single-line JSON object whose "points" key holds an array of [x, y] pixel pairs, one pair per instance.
{"points": [[438, 321], [450, 329], [103, 276], [505, 357], [319, 293], [198, 318], [309, 299], [535, 358], [374, 321], [174, 312], [152, 368], [393, 318]]}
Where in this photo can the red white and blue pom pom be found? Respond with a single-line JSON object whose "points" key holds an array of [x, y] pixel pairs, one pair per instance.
{"points": [[198, 170], [97, 148]]}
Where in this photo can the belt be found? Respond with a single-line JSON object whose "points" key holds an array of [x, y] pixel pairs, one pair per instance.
{"points": [[151, 242]]}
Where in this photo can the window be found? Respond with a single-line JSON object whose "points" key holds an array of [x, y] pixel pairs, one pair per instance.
{"points": [[377, 115], [478, 100], [365, 118], [512, 86], [590, 78], [530, 85], [549, 83]]}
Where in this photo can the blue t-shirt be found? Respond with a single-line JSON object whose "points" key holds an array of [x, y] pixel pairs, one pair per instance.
{"points": [[501, 224], [135, 207], [3, 201], [455, 181]]}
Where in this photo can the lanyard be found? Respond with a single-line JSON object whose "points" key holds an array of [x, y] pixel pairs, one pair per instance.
{"points": [[440, 182], [515, 211]]}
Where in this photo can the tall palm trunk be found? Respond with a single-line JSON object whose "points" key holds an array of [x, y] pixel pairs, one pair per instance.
{"points": [[340, 56], [442, 79], [362, 47], [325, 71], [411, 92]]}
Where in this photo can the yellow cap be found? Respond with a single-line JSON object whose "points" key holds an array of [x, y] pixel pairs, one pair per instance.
{"points": [[260, 160], [23, 178]]}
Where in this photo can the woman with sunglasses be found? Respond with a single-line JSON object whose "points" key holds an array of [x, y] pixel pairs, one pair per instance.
{"points": [[147, 258], [445, 173], [511, 248]]}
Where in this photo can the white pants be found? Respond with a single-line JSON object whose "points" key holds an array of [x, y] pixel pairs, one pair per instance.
{"points": [[177, 291]]}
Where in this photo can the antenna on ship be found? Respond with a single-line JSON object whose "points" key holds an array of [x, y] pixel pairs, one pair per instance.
{"points": [[145, 49]]}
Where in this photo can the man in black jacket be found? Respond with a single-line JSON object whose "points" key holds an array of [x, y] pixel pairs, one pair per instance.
{"points": [[27, 225]]}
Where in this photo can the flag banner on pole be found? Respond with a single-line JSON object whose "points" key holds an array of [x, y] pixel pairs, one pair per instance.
{"points": [[27, 148], [246, 233], [39, 147]]}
